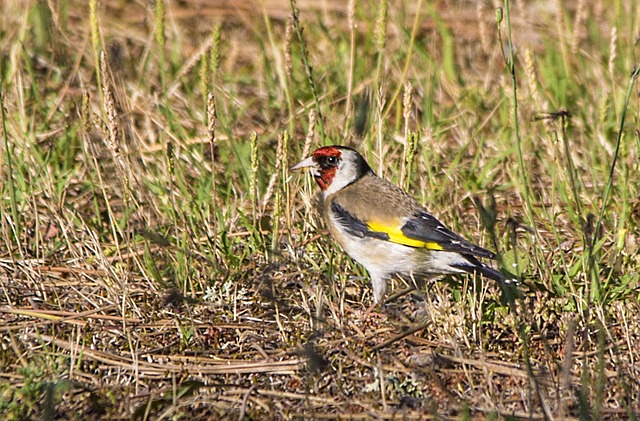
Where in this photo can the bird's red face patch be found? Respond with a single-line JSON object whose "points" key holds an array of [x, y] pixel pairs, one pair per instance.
{"points": [[327, 159]]}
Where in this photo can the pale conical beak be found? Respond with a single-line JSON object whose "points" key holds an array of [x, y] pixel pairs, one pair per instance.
{"points": [[307, 163], [304, 164]]}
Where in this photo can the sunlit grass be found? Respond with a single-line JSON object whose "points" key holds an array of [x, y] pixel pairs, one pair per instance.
{"points": [[157, 258]]}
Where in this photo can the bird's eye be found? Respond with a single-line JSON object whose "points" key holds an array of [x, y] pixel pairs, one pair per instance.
{"points": [[332, 160]]}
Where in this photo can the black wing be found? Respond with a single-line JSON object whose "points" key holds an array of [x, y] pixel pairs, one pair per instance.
{"points": [[354, 226], [427, 228]]}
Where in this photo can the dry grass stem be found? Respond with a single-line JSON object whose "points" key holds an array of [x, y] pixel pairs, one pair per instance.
{"points": [[159, 261]]}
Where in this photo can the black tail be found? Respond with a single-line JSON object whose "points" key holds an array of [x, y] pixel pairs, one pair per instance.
{"points": [[476, 266], [508, 284]]}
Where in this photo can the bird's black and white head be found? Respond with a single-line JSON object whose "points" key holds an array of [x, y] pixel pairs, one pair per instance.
{"points": [[335, 167]]}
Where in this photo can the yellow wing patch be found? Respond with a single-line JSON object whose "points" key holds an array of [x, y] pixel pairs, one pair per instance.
{"points": [[396, 236]]}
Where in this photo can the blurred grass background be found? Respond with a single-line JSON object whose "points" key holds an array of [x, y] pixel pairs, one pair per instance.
{"points": [[157, 259]]}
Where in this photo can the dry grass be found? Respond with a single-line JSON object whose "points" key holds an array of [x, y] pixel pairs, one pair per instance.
{"points": [[158, 261]]}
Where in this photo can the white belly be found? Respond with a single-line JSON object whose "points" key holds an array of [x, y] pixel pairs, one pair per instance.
{"points": [[380, 258]]}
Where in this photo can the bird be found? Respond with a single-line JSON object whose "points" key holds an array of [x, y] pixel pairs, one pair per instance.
{"points": [[383, 227]]}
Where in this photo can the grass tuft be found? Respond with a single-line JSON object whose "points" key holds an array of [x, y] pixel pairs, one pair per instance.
{"points": [[158, 260]]}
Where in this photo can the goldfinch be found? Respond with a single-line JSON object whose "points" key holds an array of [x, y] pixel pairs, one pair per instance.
{"points": [[382, 227]]}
